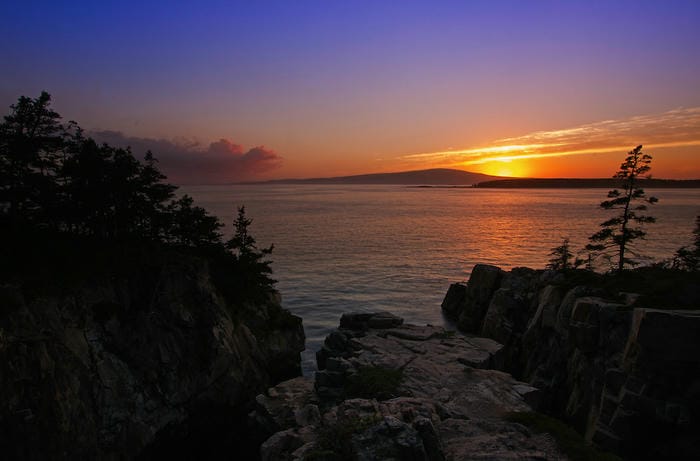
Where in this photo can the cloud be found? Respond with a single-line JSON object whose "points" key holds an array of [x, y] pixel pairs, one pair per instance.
{"points": [[188, 162], [675, 128]]}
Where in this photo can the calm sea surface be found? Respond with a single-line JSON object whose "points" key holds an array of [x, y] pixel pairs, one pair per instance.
{"points": [[342, 248]]}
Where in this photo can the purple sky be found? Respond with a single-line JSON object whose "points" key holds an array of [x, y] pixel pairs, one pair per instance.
{"points": [[326, 88]]}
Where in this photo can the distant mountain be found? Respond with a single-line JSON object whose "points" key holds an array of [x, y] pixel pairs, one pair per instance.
{"points": [[432, 177], [573, 183]]}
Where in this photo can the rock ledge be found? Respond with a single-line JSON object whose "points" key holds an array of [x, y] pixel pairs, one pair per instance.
{"points": [[450, 402]]}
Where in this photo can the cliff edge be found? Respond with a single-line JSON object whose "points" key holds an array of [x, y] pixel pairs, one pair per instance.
{"points": [[616, 357], [137, 366]]}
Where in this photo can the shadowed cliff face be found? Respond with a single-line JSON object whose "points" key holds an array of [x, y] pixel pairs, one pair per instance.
{"points": [[116, 367], [623, 372]]}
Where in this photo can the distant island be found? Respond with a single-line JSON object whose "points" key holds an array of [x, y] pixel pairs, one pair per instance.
{"points": [[447, 177], [431, 177]]}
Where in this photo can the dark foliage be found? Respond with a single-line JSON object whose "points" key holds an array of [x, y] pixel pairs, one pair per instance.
{"points": [[71, 208], [688, 257], [374, 382], [618, 233], [568, 440], [334, 442], [659, 287], [255, 271], [561, 257]]}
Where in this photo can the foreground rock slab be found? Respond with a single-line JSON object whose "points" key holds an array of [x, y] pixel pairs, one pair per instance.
{"points": [[448, 403]]}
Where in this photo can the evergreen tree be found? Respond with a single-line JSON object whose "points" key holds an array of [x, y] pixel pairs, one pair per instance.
{"points": [[191, 225], [53, 177], [688, 257], [561, 257], [618, 233], [154, 194], [63, 194], [254, 267], [31, 140]]}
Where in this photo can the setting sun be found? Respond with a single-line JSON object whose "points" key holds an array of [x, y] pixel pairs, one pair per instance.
{"points": [[502, 167]]}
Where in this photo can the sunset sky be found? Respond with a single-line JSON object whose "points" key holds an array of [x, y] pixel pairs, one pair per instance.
{"points": [[229, 91]]}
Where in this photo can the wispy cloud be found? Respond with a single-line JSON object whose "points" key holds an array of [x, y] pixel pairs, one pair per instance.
{"points": [[191, 163], [675, 128]]}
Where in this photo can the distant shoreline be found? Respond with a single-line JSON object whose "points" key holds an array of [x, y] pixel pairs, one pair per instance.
{"points": [[578, 183], [459, 179], [500, 184]]}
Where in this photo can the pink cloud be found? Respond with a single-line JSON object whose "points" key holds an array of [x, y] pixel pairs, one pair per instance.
{"points": [[221, 162]]}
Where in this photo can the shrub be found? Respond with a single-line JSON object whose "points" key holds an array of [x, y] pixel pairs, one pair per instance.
{"points": [[374, 383], [568, 440]]}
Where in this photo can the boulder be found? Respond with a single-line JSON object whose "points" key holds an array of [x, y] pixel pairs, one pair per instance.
{"points": [[663, 339], [454, 301], [503, 316], [483, 282], [567, 305], [550, 299], [281, 405], [279, 444], [362, 321], [585, 322], [390, 438]]}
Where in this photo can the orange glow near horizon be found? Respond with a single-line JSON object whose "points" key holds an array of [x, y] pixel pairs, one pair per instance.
{"points": [[505, 167], [592, 150]]}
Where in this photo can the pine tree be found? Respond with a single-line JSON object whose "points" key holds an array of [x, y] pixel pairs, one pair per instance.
{"points": [[254, 267], [561, 257], [688, 257], [31, 137], [618, 233]]}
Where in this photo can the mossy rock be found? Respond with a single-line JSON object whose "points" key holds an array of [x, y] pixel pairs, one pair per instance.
{"points": [[568, 440], [374, 383]]}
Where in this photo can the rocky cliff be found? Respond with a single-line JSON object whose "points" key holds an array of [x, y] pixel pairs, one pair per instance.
{"points": [[143, 365], [607, 360], [386, 390]]}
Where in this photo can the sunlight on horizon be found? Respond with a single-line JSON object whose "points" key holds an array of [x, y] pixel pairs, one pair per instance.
{"points": [[676, 131]]}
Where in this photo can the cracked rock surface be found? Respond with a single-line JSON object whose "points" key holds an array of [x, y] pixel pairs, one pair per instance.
{"points": [[449, 404]]}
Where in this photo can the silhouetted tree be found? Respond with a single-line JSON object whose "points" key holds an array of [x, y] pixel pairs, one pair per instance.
{"points": [[192, 225], [618, 233], [154, 194], [59, 187], [255, 268], [688, 257], [32, 142], [54, 177], [561, 257]]}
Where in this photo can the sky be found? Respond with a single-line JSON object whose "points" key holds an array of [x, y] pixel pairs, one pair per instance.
{"points": [[241, 90]]}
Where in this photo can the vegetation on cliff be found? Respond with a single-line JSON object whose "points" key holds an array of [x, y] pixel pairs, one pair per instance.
{"points": [[570, 441], [619, 232], [128, 327], [71, 208], [688, 257], [616, 243]]}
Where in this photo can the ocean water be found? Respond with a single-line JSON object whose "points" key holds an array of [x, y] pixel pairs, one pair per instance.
{"points": [[359, 248]]}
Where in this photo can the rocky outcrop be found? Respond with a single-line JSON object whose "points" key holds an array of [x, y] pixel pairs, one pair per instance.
{"points": [[124, 368], [623, 373], [387, 390], [468, 305], [655, 394]]}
